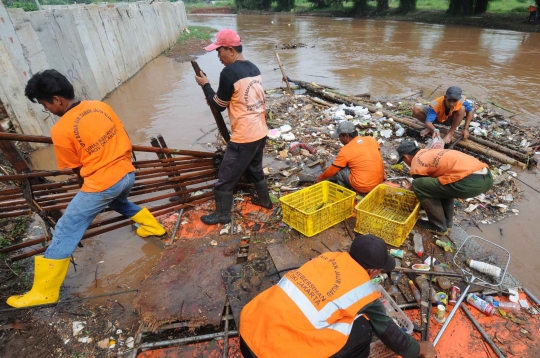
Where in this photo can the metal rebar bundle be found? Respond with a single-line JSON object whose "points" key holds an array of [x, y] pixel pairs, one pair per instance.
{"points": [[155, 181]]}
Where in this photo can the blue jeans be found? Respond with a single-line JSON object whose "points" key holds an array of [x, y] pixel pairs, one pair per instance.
{"points": [[83, 209]]}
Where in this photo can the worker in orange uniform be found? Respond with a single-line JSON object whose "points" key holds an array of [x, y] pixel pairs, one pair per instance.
{"points": [[532, 13], [241, 92], [359, 165], [440, 175], [90, 139], [327, 308], [452, 106]]}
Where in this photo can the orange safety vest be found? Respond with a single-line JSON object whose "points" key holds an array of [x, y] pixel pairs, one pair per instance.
{"points": [[449, 166], [532, 8], [439, 108], [310, 312]]}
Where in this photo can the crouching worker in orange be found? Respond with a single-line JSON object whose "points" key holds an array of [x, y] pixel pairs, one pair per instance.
{"points": [[90, 139], [358, 165], [327, 308], [452, 106]]}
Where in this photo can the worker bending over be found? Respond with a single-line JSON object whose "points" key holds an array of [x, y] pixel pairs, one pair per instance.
{"points": [[359, 165], [90, 139], [241, 92], [440, 175], [327, 308], [452, 106]]}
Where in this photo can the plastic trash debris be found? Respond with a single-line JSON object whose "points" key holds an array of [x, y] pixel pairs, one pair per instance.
{"points": [[78, 327], [285, 128], [288, 136], [274, 134]]}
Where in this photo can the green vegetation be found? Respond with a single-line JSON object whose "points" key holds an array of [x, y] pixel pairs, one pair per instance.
{"points": [[452, 7], [16, 232], [204, 33]]}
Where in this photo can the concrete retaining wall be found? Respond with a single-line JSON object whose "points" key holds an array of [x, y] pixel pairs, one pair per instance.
{"points": [[97, 47]]}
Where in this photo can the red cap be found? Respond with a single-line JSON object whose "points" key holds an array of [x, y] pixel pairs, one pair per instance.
{"points": [[227, 38]]}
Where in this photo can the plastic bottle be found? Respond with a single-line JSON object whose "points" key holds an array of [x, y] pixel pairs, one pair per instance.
{"points": [[480, 304], [416, 293], [509, 306], [418, 245], [447, 246], [484, 267], [443, 282], [423, 283]]}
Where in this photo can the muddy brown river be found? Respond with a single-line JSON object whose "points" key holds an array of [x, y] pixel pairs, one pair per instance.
{"points": [[384, 58]]}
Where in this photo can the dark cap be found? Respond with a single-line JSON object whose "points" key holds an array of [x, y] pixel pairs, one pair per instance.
{"points": [[371, 253], [453, 92], [406, 148], [343, 128]]}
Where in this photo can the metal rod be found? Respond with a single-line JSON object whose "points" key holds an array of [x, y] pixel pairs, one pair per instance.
{"points": [[52, 173], [137, 148], [171, 240], [199, 199], [482, 332], [220, 122], [204, 337], [226, 333], [434, 273], [13, 214], [425, 333], [452, 313], [168, 161], [531, 296], [11, 192], [172, 169]]}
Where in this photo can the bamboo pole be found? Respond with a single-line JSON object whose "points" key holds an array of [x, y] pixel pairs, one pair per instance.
{"points": [[11, 192], [283, 73], [14, 214]]}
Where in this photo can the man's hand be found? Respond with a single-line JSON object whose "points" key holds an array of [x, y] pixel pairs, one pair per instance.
{"points": [[317, 180], [465, 133], [427, 350], [202, 79]]}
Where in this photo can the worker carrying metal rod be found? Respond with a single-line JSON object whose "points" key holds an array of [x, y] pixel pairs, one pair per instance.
{"points": [[327, 308], [90, 139], [241, 92]]}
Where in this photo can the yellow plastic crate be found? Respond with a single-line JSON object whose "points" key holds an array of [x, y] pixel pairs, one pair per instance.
{"points": [[387, 212], [318, 207]]}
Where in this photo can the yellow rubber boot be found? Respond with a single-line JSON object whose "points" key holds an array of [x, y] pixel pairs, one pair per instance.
{"points": [[49, 275], [148, 224]]}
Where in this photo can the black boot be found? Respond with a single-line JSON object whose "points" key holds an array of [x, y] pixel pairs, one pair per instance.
{"points": [[224, 200], [263, 196], [448, 208], [435, 213]]}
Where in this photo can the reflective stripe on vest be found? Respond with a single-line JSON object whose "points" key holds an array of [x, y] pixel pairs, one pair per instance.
{"points": [[319, 318]]}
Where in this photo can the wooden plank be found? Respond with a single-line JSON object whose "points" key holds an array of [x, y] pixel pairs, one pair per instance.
{"points": [[283, 258], [185, 285]]}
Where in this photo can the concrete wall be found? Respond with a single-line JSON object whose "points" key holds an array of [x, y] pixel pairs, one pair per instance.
{"points": [[97, 47]]}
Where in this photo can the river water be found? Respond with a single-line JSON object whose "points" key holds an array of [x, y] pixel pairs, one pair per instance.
{"points": [[385, 58]]}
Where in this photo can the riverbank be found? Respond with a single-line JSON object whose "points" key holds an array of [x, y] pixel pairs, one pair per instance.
{"points": [[514, 21]]}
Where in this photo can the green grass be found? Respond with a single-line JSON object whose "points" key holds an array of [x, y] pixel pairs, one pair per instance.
{"points": [[197, 32], [17, 231]]}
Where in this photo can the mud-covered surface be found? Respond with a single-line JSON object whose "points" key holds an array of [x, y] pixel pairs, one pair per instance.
{"points": [[187, 50], [49, 332]]}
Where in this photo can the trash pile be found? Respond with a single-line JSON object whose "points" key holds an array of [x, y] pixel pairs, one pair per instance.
{"points": [[292, 46], [299, 141]]}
